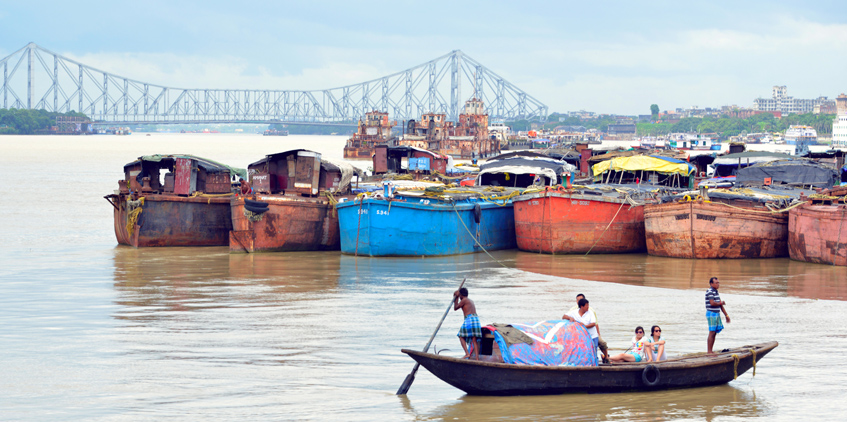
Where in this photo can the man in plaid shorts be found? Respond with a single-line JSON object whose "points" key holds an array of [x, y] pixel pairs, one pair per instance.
{"points": [[471, 330]]}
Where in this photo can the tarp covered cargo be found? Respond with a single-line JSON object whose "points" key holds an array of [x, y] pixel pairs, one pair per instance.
{"points": [[663, 165], [210, 166], [554, 343], [789, 172], [550, 168]]}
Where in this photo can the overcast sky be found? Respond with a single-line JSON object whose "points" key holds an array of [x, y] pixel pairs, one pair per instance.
{"points": [[605, 57]]}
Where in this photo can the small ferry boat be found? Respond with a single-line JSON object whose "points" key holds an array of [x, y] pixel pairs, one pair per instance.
{"points": [[801, 134], [374, 130], [556, 357], [174, 200], [291, 207]]}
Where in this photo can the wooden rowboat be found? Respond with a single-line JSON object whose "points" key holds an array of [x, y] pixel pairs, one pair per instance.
{"points": [[501, 379]]}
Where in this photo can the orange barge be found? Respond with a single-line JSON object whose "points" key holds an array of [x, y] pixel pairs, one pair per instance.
{"points": [[573, 221], [817, 233], [188, 205], [703, 229], [374, 130], [292, 206]]}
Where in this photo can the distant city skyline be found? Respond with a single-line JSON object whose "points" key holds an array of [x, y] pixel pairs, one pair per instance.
{"points": [[614, 58]]}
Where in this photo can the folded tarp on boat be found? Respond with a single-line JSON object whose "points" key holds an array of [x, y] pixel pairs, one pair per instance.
{"points": [[209, 165], [663, 165], [555, 343]]}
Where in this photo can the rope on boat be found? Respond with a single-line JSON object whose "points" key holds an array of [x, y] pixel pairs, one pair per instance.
{"points": [[459, 216], [607, 228], [736, 359], [753, 351], [135, 208]]}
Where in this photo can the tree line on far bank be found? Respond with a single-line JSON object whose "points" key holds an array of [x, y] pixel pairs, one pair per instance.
{"points": [[15, 121]]}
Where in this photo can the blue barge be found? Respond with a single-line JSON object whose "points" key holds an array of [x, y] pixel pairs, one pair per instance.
{"points": [[425, 226]]}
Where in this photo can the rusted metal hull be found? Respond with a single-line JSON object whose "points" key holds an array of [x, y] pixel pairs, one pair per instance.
{"points": [[502, 379], [358, 153], [566, 223], [291, 223], [697, 229], [168, 220], [818, 234]]}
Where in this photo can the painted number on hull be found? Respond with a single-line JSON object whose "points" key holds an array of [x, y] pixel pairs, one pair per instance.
{"points": [[363, 211], [381, 212], [425, 201], [579, 202], [534, 202]]}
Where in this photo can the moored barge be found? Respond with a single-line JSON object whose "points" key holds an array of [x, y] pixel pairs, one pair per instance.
{"points": [[817, 232], [374, 130], [292, 204], [188, 205]]}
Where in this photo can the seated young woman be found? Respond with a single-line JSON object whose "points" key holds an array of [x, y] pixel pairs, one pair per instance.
{"points": [[635, 352], [656, 345]]}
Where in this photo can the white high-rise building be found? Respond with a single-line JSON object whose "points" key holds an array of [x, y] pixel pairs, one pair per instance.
{"points": [[787, 104], [839, 124]]}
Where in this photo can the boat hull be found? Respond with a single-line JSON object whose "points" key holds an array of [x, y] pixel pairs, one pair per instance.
{"points": [[289, 224], [358, 153], [697, 229], [818, 234], [500, 379], [563, 223], [423, 227], [169, 220]]}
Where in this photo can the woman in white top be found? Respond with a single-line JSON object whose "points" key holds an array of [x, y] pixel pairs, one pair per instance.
{"points": [[634, 353], [656, 345]]}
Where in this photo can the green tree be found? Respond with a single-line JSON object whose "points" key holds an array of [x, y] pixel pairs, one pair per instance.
{"points": [[654, 110]]}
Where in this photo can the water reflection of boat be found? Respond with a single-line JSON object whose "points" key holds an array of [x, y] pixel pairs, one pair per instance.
{"points": [[769, 277], [504, 379], [705, 403]]}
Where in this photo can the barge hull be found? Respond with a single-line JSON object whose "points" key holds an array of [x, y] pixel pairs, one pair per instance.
{"points": [[167, 220], [570, 224], [698, 229], [411, 228], [289, 224], [818, 234]]}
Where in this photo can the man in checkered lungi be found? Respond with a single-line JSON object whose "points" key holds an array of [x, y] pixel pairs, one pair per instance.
{"points": [[471, 330]]}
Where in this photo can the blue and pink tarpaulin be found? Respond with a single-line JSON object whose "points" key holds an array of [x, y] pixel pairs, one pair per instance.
{"points": [[555, 343]]}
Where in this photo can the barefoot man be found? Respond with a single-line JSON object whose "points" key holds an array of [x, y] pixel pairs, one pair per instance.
{"points": [[714, 305], [471, 330]]}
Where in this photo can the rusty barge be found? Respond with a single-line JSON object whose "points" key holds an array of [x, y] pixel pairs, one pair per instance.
{"points": [[817, 232], [188, 205], [374, 130], [292, 206]]}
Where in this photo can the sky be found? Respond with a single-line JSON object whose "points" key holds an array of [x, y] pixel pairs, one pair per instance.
{"points": [[606, 57]]}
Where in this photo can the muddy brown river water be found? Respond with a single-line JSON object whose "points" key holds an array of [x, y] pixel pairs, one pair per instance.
{"points": [[94, 331]]}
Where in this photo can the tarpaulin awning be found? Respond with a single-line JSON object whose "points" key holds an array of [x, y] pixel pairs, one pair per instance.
{"points": [[792, 172], [663, 165], [749, 158], [210, 166], [549, 168], [554, 343]]}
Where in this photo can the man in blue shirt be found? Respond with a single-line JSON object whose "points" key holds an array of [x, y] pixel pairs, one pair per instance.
{"points": [[714, 305]]}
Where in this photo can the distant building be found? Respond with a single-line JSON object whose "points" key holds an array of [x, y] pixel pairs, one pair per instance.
{"points": [[786, 104], [622, 129], [839, 124]]}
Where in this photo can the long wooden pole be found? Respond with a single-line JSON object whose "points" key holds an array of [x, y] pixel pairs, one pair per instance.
{"points": [[411, 377]]}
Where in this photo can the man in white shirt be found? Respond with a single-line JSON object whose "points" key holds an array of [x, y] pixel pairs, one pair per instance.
{"points": [[586, 318], [604, 348]]}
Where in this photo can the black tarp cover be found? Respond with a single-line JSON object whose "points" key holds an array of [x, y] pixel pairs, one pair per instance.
{"points": [[793, 172]]}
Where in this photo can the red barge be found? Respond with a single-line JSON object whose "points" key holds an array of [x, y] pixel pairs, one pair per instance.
{"points": [[189, 207], [817, 232], [570, 221], [292, 207]]}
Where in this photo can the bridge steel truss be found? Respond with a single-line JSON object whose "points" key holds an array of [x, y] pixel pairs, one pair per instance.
{"points": [[36, 78]]}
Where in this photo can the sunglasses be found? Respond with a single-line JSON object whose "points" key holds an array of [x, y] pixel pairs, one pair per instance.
{"points": [[639, 332], [657, 331]]}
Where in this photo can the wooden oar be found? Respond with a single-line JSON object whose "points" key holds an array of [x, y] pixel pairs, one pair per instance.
{"points": [[411, 377]]}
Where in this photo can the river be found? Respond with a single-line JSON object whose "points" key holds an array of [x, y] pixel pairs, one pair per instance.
{"points": [[99, 332]]}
